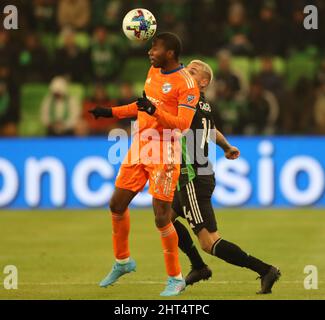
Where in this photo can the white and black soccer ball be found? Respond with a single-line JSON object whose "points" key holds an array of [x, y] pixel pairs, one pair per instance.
{"points": [[139, 25]]}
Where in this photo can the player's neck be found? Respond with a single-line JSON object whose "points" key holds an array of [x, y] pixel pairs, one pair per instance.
{"points": [[170, 66]]}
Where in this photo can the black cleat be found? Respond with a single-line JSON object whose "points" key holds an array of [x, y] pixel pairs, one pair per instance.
{"points": [[268, 280], [196, 275]]}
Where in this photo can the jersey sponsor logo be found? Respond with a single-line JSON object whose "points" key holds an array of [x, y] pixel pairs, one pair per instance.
{"points": [[166, 87], [190, 98], [155, 101], [204, 106]]}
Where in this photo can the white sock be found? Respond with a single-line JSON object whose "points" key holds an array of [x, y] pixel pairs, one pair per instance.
{"points": [[123, 261], [178, 277]]}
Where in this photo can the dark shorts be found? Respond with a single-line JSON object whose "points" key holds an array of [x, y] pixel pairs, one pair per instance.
{"points": [[193, 202]]}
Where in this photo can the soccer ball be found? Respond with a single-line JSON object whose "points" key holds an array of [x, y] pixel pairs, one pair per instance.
{"points": [[139, 25]]}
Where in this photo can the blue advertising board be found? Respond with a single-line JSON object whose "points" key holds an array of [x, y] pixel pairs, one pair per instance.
{"points": [[80, 173]]}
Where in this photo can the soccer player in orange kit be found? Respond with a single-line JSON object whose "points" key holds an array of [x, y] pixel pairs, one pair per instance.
{"points": [[169, 100]]}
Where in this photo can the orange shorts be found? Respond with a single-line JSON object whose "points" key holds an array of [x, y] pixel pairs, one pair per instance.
{"points": [[146, 163]]}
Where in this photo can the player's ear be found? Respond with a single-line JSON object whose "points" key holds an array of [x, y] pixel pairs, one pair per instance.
{"points": [[204, 82], [170, 54]]}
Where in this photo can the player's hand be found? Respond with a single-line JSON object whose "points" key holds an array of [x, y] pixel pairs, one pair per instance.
{"points": [[101, 112], [232, 153], [144, 104]]}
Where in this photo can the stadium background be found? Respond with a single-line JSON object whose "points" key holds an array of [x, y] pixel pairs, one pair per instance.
{"points": [[269, 86]]}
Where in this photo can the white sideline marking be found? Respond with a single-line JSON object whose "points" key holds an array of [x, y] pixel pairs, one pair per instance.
{"points": [[144, 282]]}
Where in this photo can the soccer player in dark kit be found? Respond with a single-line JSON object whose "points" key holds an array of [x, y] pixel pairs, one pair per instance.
{"points": [[192, 200]]}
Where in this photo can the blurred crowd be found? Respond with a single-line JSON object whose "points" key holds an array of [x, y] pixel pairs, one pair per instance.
{"points": [[80, 41]]}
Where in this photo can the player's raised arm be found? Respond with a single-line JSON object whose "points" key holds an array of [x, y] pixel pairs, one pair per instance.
{"points": [[185, 114], [127, 111], [120, 112], [181, 121]]}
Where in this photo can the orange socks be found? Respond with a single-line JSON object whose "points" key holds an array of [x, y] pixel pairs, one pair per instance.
{"points": [[121, 229], [169, 241]]}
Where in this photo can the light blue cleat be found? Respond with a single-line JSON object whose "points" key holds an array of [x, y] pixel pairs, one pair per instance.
{"points": [[174, 287], [117, 271]]}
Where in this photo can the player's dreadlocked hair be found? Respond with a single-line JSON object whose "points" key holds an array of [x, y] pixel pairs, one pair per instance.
{"points": [[171, 42]]}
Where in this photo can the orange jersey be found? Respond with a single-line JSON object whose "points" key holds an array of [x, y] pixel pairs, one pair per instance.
{"points": [[175, 95]]}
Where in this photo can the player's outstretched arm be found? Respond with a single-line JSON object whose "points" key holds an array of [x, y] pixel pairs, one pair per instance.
{"points": [[181, 121], [230, 151], [120, 112]]}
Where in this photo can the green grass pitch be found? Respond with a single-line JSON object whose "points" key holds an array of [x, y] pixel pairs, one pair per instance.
{"points": [[64, 254]]}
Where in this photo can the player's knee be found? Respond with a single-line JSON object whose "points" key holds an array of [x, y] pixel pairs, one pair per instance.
{"points": [[161, 220], [162, 212], [173, 215], [117, 207]]}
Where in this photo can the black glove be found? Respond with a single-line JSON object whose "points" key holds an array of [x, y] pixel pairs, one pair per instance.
{"points": [[101, 112], [144, 104]]}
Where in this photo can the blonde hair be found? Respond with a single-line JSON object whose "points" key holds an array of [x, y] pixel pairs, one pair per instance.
{"points": [[205, 68]]}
